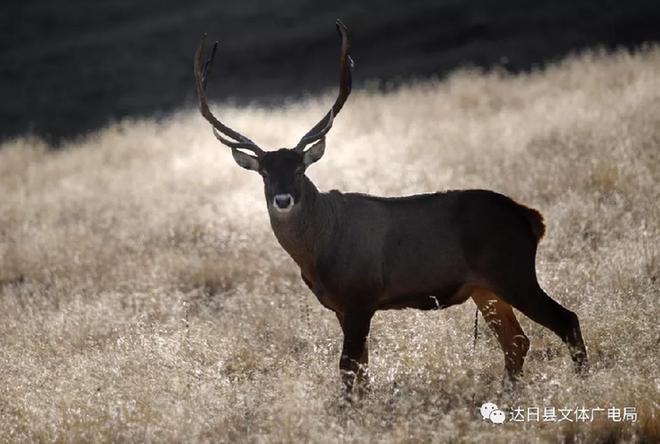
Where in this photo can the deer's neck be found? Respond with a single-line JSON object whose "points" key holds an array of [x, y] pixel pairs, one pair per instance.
{"points": [[307, 229]]}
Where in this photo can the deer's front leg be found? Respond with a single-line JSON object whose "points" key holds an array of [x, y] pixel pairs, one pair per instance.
{"points": [[354, 360]]}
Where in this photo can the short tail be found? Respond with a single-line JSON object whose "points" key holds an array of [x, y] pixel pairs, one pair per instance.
{"points": [[535, 220]]}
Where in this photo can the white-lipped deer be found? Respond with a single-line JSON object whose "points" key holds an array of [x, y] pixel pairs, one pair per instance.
{"points": [[360, 253]]}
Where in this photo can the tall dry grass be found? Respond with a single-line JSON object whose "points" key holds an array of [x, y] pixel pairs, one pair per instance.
{"points": [[143, 296]]}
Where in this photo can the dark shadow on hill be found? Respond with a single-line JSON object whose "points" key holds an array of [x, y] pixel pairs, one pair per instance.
{"points": [[69, 67]]}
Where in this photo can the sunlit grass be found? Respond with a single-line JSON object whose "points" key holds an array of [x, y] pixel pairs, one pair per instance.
{"points": [[144, 297]]}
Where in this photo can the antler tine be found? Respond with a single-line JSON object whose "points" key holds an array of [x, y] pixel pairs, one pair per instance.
{"points": [[201, 71], [345, 84]]}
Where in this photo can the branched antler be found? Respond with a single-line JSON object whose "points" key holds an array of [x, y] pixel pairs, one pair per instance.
{"points": [[345, 83], [221, 131], [236, 140]]}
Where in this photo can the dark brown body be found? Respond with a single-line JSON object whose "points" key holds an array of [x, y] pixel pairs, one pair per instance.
{"points": [[360, 253], [419, 251]]}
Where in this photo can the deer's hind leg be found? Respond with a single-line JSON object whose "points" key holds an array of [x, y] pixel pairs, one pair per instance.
{"points": [[502, 321], [512, 277]]}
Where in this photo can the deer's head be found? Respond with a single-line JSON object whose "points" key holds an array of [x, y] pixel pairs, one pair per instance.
{"points": [[282, 170]]}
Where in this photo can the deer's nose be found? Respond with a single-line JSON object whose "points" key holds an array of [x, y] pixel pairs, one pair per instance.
{"points": [[283, 202]]}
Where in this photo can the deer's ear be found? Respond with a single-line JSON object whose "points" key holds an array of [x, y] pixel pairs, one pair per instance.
{"points": [[314, 153], [245, 160]]}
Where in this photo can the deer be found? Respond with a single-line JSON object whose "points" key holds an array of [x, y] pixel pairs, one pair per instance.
{"points": [[359, 253]]}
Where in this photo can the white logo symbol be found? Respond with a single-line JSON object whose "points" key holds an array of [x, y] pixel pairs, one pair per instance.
{"points": [[492, 413]]}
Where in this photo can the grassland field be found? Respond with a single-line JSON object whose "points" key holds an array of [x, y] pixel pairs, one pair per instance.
{"points": [[144, 298]]}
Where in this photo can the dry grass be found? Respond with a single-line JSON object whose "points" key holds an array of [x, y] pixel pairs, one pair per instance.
{"points": [[143, 296]]}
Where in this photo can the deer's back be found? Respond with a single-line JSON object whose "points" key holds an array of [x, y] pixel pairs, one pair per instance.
{"points": [[422, 244]]}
